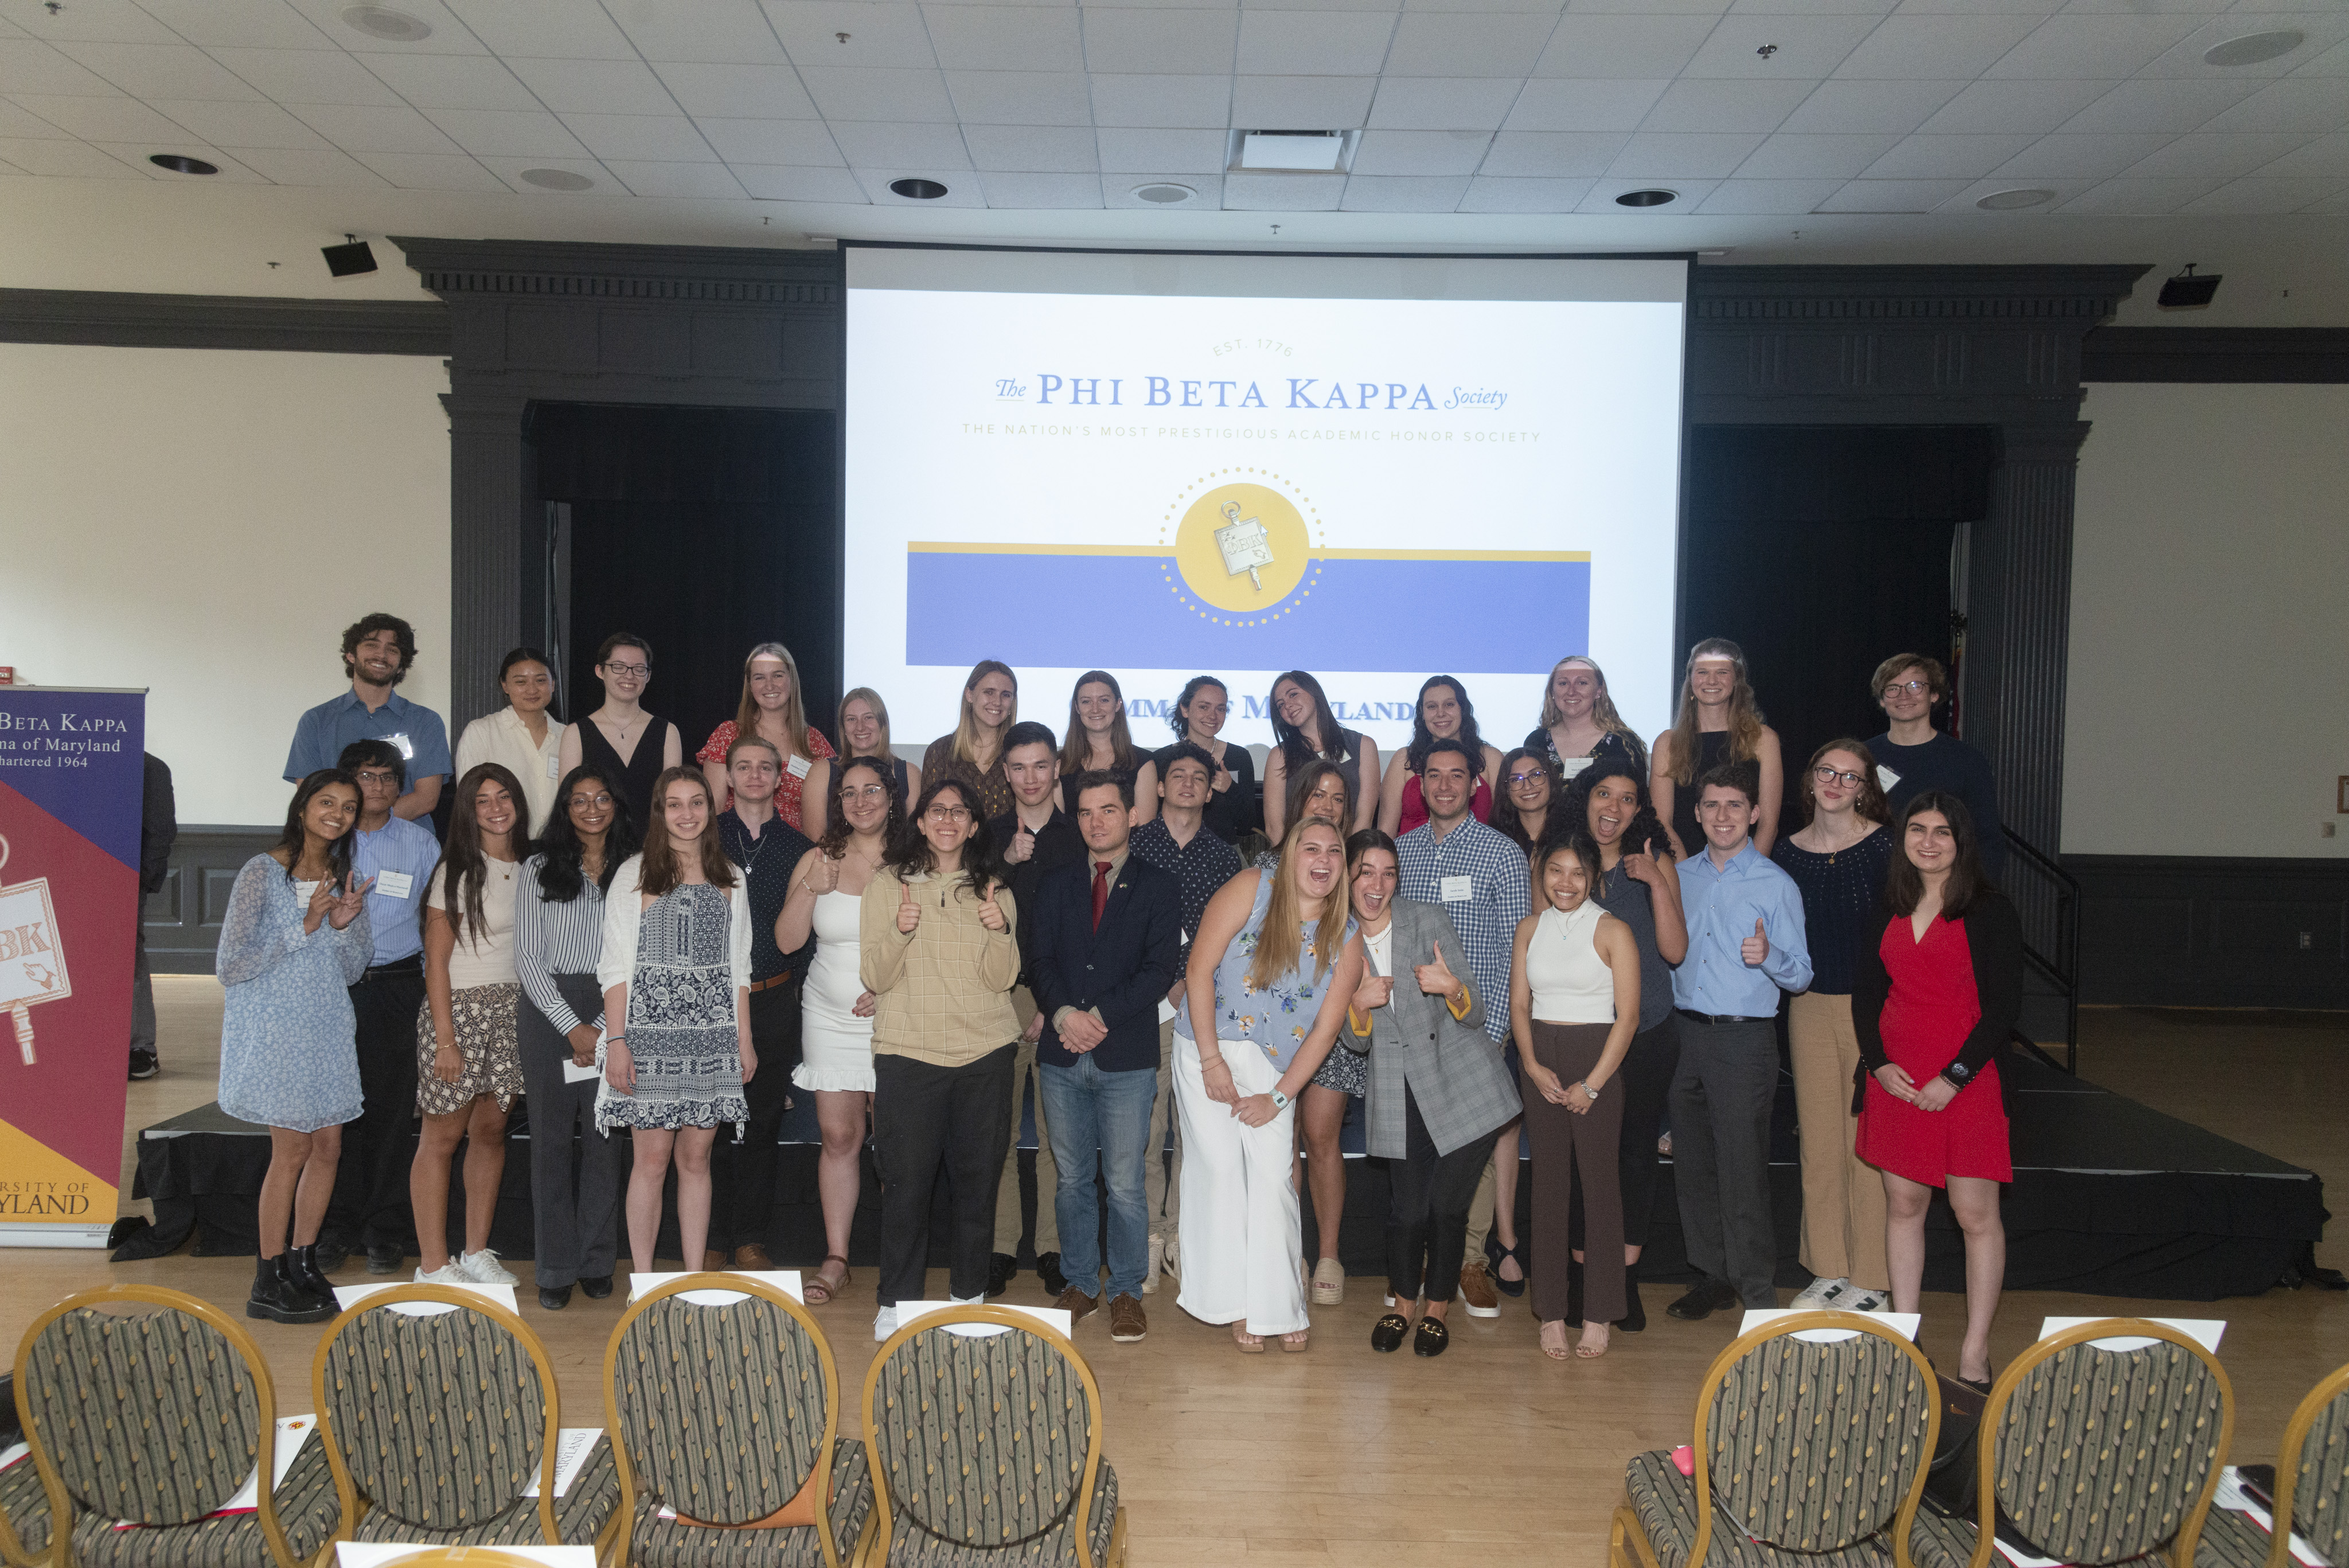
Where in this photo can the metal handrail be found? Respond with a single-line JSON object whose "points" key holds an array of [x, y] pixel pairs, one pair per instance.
{"points": [[2062, 970]]}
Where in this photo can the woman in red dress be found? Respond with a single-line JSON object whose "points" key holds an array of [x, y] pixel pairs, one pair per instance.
{"points": [[1934, 999]]}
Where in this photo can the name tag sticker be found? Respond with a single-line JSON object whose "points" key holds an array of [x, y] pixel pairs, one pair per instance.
{"points": [[1885, 777], [798, 766], [1459, 889], [1569, 767], [406, 747], [393, 884], [555, 767]]}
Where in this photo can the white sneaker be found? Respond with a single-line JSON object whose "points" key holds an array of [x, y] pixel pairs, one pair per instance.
{"points": [[451, 1273], [1149, 1270], [885, 1324], [482, 1268], [1819, 1296], [954, 1300], [1860, 1298], [1170, 1262]]}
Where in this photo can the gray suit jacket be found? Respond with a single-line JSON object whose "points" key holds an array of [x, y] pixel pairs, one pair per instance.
{"points": [[1454, 1072]]}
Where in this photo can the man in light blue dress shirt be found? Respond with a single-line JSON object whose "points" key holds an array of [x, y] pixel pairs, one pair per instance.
{"points": [[1745, 944], [378, 650]]}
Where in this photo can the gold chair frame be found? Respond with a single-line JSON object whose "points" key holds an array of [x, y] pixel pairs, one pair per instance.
{"points": [[2328, 1389]]}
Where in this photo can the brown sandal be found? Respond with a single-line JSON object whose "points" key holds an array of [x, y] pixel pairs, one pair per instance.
{"points": [[1249, 1344], [818, 1290]]}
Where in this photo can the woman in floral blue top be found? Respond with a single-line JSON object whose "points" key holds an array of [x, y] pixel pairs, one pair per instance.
{"points": [[1274, 962]]}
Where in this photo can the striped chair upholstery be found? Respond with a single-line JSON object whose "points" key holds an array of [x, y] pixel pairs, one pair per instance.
{"points": [[2320, 1493], [657, 1542], [23, 1514], [1665, 1502], [580, 1514], [306, 1511]]}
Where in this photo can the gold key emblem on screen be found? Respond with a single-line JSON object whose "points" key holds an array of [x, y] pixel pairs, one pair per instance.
{"points": [[1244, 544]]}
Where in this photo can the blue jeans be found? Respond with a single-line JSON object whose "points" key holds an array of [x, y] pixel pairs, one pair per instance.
{"points": [[1090, 1110]]}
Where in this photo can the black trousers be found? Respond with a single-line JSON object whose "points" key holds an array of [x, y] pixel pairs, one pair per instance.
{"points": [[574, 1169], [369, 1206], [1427, 1218], [748, 1210], [1649, 1067], [925, 1118]]}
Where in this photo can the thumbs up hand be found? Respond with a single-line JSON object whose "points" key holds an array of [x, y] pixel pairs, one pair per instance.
{"points": [[991, 913], [1022, 846], [909, 913], [1755, 948], [1435, 978]]}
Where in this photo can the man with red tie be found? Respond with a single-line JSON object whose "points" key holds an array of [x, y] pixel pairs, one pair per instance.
{"points": [[1107, 935]]}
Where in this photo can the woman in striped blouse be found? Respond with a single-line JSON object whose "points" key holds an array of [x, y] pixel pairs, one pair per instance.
{"points": [[558, 937]]}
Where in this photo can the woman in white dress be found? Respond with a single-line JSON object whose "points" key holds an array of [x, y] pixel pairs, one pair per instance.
{"points": [[863, 817]]}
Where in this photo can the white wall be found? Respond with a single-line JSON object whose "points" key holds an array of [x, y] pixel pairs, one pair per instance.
{"points": [[204, 524], [2210, 612]]}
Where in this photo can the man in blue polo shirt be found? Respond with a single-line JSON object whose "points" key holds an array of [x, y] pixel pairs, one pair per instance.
{"points": [[378, 650], [1745, 944]]}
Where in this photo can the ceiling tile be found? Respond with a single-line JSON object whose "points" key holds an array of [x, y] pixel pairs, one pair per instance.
{"points": [[879, 33], [2082, 7], [773, 182], [1975, 7], [2312, 104], [2162, 105], [1622, 45], [1552, 154], [29, 66], [161, 70], [2332, 62], [2320, 29], [1465, 43], [1117, 191], [901, 146], [1171, 101], [1421, 151], [1148, 151], [1302, 103], [744, 92], [602, 181], [1987, 107], [1283, 193], [1812, 7], [703, 32], [1804, 47], [1547, 7], [242, 23], [962, 190], [2326, 158], [1487, 194], [545, 29], [432, 171], [1007, 38], [1947, 157], [1725, 104], [109, 118], [2223, 157], [1965, 201], [137, 153], [798, 143], [1443, 103], [2136, 198], [2082, 157], [596, 86], [242, 124], [1161, 42], [2330, 205], [1602, 104], [1032, 149], [1891, 195], [641, 137], [71, 160], [309, 76], [302, 166], [1936, 47], [1803, 157], [2105, 45], [507, 132], [690, 180], [1672, 156], [2250, 197], [1314, 43], [1647, 7], [16, 122], [1749, 196], [361, 129], [94, 21], [1404, 193], [1020, 98], [1042, 189], [845, 94], [450, 81], [1870, 106], [448, 35], [1602, 194]]}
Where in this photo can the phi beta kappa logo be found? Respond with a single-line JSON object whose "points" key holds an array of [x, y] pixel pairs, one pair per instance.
{"points": [[1243, 546], [32, 967]]}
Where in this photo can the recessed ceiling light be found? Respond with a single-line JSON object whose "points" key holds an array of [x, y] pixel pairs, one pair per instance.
{"points": [[2008, 201], [1164, 193], [179, 165], [383, 22], [1647, 198], [2252, 48], [556, 180], [918, 190]]}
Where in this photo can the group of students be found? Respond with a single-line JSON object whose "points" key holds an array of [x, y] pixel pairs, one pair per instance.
{"points": [[1580, 937]]}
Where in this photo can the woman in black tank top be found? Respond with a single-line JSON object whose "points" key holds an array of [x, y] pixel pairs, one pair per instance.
{"points": [[625, 664]]}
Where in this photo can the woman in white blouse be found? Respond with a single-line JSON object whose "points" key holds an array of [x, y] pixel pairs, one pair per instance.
{"points": [[520, 737]]}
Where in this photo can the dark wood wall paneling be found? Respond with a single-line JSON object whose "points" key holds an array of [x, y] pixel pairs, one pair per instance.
{"points": [[182, 918]]}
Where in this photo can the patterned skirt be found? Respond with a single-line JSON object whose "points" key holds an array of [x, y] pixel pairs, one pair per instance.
{"points": [[680, 1028], [487, 1021], [1348, 1072]]}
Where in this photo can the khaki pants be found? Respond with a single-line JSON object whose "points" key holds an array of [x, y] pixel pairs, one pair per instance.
{"points": [[1164, 1187], [1843, 1197], [1008, 1225]]}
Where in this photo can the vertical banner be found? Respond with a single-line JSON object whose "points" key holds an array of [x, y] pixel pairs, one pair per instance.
{"points": [[72, 776]]}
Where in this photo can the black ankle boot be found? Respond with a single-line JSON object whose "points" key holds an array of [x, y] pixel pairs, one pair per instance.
{"points": [[1573, 1293], [302, 1269], [1635, 1316], [275, 1296]]}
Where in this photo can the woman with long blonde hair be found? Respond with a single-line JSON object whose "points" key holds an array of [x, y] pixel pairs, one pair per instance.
{"points": [[1578, 721], [864, 732], [773, 709], [1275, 960], [1719, 722], [973, 751]]}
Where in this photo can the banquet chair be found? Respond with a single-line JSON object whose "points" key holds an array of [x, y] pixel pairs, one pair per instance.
{"points": [[2312, 1488]]}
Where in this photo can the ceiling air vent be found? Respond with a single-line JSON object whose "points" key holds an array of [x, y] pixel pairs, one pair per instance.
{"points": [[383, 22], [1164, 195], [1292, 152]]}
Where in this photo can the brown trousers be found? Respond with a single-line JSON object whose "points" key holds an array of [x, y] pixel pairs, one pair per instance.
{"points": [[1563, 1145]]}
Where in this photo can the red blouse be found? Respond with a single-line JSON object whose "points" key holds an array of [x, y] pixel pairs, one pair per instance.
{"points": [[787, 791]]}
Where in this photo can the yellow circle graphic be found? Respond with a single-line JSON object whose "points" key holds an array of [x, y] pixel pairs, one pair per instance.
{"points": [[1242, 547]]}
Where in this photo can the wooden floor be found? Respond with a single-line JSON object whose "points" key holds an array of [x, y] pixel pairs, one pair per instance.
{"points": [[1343, 1456]]}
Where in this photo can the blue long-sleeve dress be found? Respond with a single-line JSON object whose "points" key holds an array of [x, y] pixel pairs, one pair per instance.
{"points": [[289, 1056]]}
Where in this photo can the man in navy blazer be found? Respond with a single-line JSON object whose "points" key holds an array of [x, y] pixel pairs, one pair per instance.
{"points": [[1106, 938]]}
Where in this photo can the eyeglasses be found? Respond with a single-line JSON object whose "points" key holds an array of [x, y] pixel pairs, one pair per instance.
{"points": [[638, 670], [1826, 774], [1527, 778], [376, 776], [1913, 688], [948, 814], [864, 792], [590, 802]]}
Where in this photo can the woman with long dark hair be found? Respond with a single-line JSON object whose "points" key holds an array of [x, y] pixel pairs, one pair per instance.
{"points": [[468, 1032], [676, 973], [558, 940], [1442, 713], [1099, 741], [973, 751], [1578, 721], [1320, 788], [1531, 788], [1718, 721], [864, 732], [1305, 729], [1935, 995], [772, 708], [1197, 718], [937, 950], [288, 1057], [836, 1011]]}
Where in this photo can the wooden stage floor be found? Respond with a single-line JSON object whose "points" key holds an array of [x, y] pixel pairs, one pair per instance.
{"points": [[1340, 1456]]}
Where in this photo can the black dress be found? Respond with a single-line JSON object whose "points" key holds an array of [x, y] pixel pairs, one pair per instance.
{"points": [[1610, 744], [1229, 812], [631, 780], [1712, 750]]}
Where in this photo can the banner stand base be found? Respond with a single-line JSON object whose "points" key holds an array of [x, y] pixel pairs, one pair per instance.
{"points": [[54, 1235]]}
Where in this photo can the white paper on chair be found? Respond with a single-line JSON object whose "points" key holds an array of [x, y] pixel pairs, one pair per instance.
{"points": [[1902, 1322], [2022, 1558], [2232, 1495], [571, 1445], [373, 1553], [9, 1456], [1052, 1318], [350, 1296], [293, 1431], [2203, 1331], [784, 1280]]}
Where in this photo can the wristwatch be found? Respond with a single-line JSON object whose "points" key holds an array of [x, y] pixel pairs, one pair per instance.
{"points": [[1588, 1090], [1958, 1074], [1280, 1101]]}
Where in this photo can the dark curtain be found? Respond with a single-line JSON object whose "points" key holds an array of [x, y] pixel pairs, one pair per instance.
{"points": [[1822, 551], [705, 531]]}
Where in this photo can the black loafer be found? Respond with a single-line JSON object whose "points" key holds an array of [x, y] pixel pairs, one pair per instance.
{"points": [[1047, 1269], [1703, 1299], [384, 1257], [596, 1287], [1386, 1334], [1001, 1267], [1431, 1337], [555, 1298]]}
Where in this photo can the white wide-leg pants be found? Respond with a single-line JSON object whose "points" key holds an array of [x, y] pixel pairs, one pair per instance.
{"points": [[1242, 1234]]}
